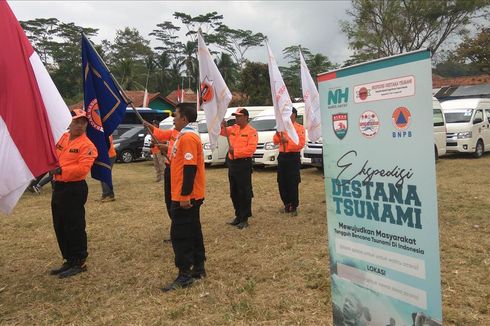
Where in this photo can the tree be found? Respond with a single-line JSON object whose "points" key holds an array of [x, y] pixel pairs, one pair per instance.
{"points": [[317, 63], [236, 42], [128, 58], [66, 69], [382, 28], [476, 51], [190, 62], [41, 32], [205, 22], [228, 69], [254, 81]]}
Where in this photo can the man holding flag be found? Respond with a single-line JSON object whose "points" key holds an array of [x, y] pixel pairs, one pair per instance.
{"points": [[105, 107], [290, 137], [289, 165], [76, 154]]}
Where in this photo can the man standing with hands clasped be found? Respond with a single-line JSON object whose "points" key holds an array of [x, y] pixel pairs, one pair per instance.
{"points": [[289, 165], [76, 154], [243, 143], [187, 187]]}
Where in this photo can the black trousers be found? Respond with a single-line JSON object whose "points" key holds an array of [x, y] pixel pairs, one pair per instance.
{"points": [[241, 192], [166, 188], [68, 209], [288, 178], [186, 236]]}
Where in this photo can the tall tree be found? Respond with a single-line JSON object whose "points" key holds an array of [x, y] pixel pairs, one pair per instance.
{"points": [[127, 57], [189, 61], [237, 42], [254, 81], [228, 69], [476, 50], [386, 27], [206, 22], [41, 32], [67, 64]]}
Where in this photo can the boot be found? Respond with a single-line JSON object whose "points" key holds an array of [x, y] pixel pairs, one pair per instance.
{"points": [[66, 265], [198, 271], [233, 222], [182, 281], [242, 225], [77, 267]]}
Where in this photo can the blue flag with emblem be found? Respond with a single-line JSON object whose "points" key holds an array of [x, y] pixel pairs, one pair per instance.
{"points": [[105, 107]]}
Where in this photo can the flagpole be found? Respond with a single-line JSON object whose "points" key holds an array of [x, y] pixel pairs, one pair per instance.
{"points": [[126, 98]]}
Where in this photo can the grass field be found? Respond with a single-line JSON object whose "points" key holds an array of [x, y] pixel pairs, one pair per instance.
{"points": [[273, 273]]}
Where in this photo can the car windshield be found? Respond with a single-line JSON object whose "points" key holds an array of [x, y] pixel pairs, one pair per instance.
{"points": [[202, 127], [263, 124], [166, 126], [131, 132], [462, 116]]}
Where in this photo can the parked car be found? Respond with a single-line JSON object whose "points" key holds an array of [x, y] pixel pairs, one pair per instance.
{"points": [[314, 151], [439, 129], [129, 145], [468, 125]]}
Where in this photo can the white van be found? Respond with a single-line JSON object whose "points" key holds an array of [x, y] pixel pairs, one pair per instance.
{"points": [[218, 156], [439, 129], [468, 125], [265, 124]]}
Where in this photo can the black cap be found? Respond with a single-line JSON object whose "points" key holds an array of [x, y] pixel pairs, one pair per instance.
{"points": [[294, 111]]}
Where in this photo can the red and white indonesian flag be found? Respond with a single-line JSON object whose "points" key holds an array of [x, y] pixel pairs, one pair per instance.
{"points": [[33, 116], [215, 95], [283, 106], [312, 102]]}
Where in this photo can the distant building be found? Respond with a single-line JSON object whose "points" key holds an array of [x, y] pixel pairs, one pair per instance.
{"points": [[155, 101], [460, 87]]}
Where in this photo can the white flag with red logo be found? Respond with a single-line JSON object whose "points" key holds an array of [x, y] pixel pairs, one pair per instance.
{"points": [[214, 94], [283, 107], [311, 98], [33, 116]]}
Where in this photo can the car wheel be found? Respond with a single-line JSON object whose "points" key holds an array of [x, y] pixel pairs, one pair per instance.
{"points": [[436, 153], [127, 156], [479, 149]]}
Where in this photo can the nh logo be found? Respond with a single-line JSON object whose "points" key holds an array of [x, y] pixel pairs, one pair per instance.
{"points": [[338, 96]]}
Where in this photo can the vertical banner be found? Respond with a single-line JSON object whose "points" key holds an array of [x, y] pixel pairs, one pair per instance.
{"points": [[381, 192]]}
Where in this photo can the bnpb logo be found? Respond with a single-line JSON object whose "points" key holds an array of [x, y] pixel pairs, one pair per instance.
{"points": [[401, 117], [93, 115]]}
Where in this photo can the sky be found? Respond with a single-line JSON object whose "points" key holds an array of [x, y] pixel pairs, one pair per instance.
{"points": [[313, 24]]}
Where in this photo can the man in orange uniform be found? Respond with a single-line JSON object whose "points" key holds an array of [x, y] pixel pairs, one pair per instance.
{"points": [[166, 139], [188, 186], [289, 165], [243, 143], [108, 192], [76, 154]]}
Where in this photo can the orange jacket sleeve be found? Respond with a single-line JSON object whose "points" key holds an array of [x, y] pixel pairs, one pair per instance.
{"points": [[249, 150], [300, 130], [162, 135], [228, 131]]}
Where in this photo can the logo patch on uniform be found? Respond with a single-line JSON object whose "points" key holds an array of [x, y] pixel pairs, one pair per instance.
{"points": [[207, 90], [369, 124], [401, 117], [188, 156], [93, 115], [340, 124], [74, 150]]}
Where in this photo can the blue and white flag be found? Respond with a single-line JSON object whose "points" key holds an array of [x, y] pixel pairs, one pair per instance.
{"points": [[105, 107]]}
